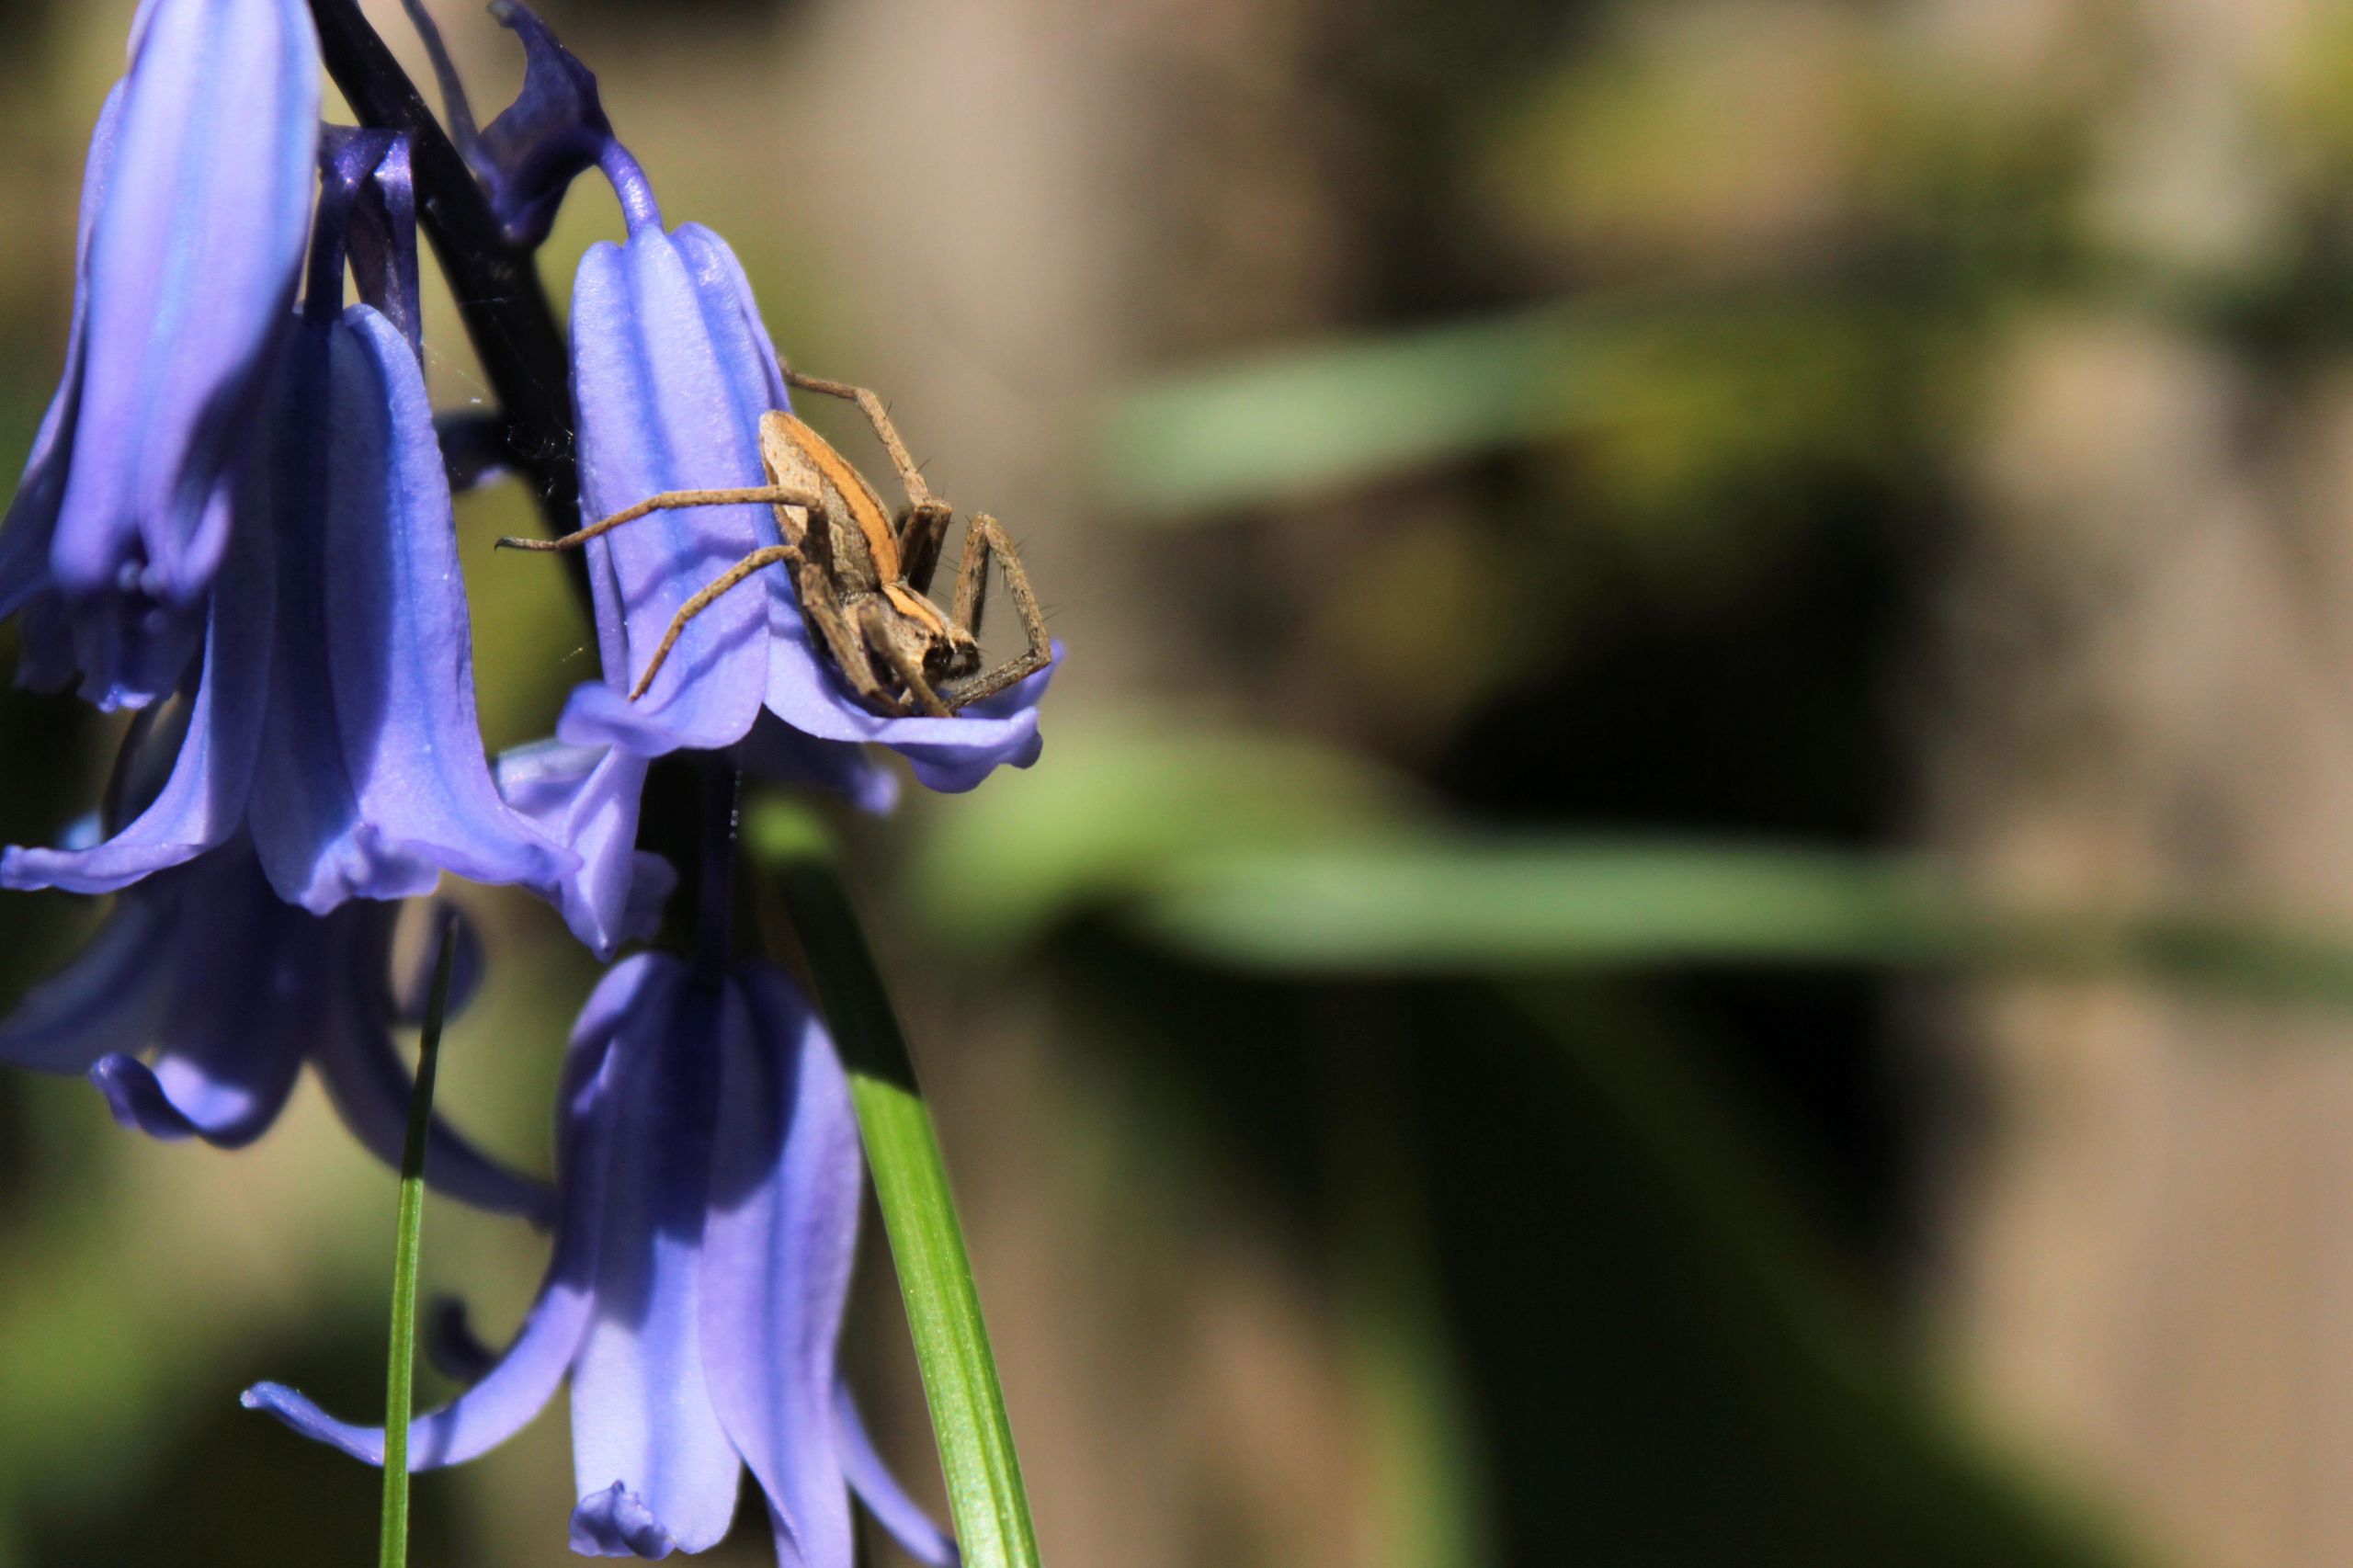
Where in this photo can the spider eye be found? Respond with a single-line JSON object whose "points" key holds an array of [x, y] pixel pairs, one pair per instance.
{"points": [[950, 656]]}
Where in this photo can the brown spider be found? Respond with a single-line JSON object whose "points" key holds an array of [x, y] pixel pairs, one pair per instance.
{"points": [[862, 580]]}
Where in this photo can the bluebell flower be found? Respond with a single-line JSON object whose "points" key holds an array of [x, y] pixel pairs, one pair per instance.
{"points": [[529, 154], [671, 371], [587, 798], [194, 207], [234, 991], [709, 1174], [331, 719]]}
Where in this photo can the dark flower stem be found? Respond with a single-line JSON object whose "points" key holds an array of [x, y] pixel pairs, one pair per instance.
{"points": [[714, 896], [400, 1381], [496, 282]]}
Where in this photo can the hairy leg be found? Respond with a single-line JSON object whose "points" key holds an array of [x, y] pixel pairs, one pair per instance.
{"points": [[987, 538], [767, 555], [771, 494], [822, 608], [922, 528]]}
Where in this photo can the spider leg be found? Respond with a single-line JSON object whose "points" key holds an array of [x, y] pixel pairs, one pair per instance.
{"points": [[772, 494], [922, 532], [984, 536], [767, 555], [923, 527], [821, 607], [880, 417]]}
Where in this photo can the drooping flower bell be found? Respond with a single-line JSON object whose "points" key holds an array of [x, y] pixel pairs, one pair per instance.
{"points": [[587, 798], [708, 1172], [235, 991], [194, 207], [672, 370], [330, 719]]}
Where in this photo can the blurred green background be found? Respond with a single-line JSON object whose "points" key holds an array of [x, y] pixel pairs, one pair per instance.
{"points": [[1691, 896]]}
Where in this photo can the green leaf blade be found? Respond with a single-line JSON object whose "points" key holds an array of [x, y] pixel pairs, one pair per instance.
{"points": [[951, 1344]]}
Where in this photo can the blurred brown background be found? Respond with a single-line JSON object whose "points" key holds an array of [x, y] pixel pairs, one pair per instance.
{"points": [[1496, 434]]}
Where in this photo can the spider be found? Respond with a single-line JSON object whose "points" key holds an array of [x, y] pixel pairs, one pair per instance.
{"points": [[863, 581]]}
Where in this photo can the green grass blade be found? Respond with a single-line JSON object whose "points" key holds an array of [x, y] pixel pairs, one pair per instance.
{"points": [[1454, 905], [1268, 853], [951, 1343], [401, 1379], [1313, 417], [1704, 378]]}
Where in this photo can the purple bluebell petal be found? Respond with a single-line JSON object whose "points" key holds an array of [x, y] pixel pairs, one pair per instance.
{"points": [[227, 1097], [947, 755], [109, 998], [531, 150], [670, 386], [234, 1044], [251, 983], [190, 271], [202, 802], [748, 354], [372, 779], [910, 1524], [586, 797], [672, 369], [379, 242], [778, 1250], [31, 519], [642, 1417], [616, 1522], [518, 1387], [138, 1101], [484, 1416]]}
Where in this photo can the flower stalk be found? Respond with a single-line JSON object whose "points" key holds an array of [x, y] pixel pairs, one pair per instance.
{"points": [[400, 1384]]}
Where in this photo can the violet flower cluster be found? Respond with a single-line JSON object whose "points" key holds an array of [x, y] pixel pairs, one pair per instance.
{"points": [[236, 526]]}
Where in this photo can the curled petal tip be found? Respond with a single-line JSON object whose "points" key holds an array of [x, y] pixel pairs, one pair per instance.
{"points": [[586, 799], [617, 1523], [227, 1110], [869, 1476], [138, 1101], [554, 130], [363, 1444]]}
